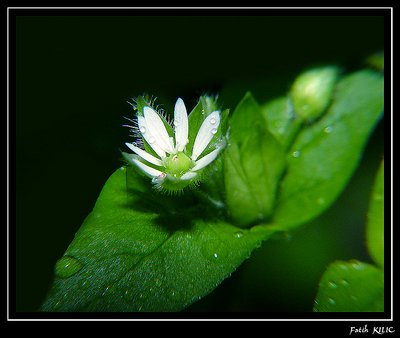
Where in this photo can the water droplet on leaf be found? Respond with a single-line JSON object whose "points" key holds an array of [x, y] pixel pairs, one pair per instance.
{"points": [[331, 301], [332, 285], [67, 266], [142, 129], [239, 234], [106, 290], [215, 255], [328, 129], [357, 265], [213, 120], [84, 285], [296, 153], [128, 295], [172, 294], [214, 131]]}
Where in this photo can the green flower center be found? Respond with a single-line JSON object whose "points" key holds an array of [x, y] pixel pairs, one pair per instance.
{"points": [[178, 164]]}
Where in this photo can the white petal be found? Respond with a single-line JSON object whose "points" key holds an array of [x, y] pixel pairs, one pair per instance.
{"points": [[188, 176], [148, 136], [157, 129], [206, 133], [149, 171], [181, 124], [143, 154], [206, 160]]}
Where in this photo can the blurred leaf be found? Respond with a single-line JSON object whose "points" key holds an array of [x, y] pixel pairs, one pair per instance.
{"points": [[128, 256], [326, 153], [350, 287], [375, 228], [377, 61], [281, 120], [254, 162]]}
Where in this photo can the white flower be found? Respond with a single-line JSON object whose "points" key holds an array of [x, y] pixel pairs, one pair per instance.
{"points": [[173, 168]]}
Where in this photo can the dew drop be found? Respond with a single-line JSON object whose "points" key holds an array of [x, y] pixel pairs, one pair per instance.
{"points": [[331, 301], [239, 234], [67, 266], [128, 295], [213, 120], [106, 290], [357, 265], [296, 153], [84, 285], [142, 129], [151, 140], [332, 285], [214, 131], [215, 255], [328, 129], [172, 294]]}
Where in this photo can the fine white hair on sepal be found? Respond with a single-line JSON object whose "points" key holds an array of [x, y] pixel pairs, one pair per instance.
{"points": [[206, 132]]}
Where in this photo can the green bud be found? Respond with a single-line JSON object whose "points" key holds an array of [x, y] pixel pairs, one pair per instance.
{"points": [[312, 90]]}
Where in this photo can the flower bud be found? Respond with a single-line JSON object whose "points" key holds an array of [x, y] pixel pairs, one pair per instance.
{"points": [[312, 90]]}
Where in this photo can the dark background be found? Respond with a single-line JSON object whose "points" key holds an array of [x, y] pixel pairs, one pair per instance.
{"points": [[74, 75]]}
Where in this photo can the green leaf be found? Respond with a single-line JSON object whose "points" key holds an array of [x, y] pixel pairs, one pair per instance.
{"points": [[326, 153], [351, 287], [375, 228], [140, 254], [254, 162], [377, 61], [281, 120]]}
